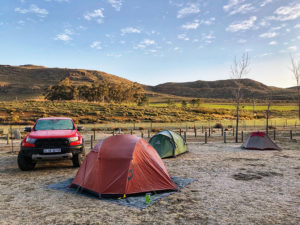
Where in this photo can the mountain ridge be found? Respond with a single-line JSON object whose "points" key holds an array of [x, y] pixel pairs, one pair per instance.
{"points": [[29, 81]]}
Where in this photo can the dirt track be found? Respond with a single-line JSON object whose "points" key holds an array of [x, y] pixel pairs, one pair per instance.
{"points": [[233, 186]]}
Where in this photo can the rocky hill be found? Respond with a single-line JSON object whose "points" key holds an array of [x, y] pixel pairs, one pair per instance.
{"points": [[224, 89], [30, 81]]}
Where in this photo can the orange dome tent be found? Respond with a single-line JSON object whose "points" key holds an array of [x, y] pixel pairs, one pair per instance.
{"points": [[123, 164]]}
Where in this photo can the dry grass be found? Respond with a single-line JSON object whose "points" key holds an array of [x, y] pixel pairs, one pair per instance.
{"points": [[215, 198]]}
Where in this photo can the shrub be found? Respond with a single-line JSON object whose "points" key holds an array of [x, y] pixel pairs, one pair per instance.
{"points": [[218, 125]]}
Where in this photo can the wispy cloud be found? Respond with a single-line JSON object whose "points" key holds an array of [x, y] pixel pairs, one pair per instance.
{"points": [[145, 43], [208, 21], [32, 9], [191, 26], [190, 9], [115, 55], [96, 45], [96, 15], [130, 30], [208, 38], [265, 3], [265, 55], [297, 25], [293, 48], [231, 4], [183, 37], [242, 9], [196, 23], [243, 25], [285, 13], [116, 4], [57, 0], [242, 41], [273, 43], [65, 36], [268, 35]]}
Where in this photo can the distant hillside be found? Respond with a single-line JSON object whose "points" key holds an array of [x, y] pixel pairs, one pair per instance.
{"points": [[223, 89], [30, 81]]}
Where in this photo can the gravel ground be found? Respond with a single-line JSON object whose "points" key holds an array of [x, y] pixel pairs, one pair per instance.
{"points": [[233, 186]]}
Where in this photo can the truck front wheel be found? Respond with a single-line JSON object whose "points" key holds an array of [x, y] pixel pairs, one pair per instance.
{"points": [[78, 158], [24, 162]]}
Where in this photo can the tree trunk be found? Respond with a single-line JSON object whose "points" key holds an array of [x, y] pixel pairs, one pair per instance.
{"points": [[298, 88], [299, 109], [237, 123], [267, 124]]}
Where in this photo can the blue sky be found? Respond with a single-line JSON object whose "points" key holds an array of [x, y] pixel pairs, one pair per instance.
{"points": [[155, 41]]}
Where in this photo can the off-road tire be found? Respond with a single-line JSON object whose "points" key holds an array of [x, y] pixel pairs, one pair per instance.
{"points": [[25, 163], [78, 158]]}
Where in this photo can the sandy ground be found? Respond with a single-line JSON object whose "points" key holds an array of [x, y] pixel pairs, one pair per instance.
{"points": [[233, 186]]}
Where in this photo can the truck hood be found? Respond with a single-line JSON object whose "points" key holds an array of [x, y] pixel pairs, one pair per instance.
{"points": [[52, 134]]}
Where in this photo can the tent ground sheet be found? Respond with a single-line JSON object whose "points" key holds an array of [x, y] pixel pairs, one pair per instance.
{"points": [[137, 200]]}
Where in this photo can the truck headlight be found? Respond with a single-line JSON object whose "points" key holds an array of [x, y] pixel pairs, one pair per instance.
{"points": [[30, 140], [73, 139]]}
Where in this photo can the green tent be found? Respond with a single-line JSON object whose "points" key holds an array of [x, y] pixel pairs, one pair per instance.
{"points": [[168, 143]]}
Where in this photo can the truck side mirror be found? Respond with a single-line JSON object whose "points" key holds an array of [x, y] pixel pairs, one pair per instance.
{"points": [[79, 128], [27, 129]]}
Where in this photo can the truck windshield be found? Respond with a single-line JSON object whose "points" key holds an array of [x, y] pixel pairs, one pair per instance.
{"points": [[55, 124]]}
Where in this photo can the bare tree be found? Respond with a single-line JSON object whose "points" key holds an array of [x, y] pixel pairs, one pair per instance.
{"points": [[269, 102], [253, 109], [239, 69], [296, 72]]}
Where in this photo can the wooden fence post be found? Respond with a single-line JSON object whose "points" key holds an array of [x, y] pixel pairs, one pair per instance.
{"points": [[209, 132], [274, 134], [291, 134], [224, 136], [149, 133], [180, 131], [195, 130], [205, 140], [142, 134], [202, 129], [242, 136], [185, 136], [92, 138], [131, 132], [12, 140], [222, 131], [94, 135]]}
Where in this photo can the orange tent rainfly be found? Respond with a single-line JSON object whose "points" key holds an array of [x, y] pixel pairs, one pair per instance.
{"points": [[260, 141], [123, 164]]}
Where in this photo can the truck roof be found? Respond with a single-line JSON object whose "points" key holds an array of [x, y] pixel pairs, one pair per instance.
{"points": [[55, 118]]}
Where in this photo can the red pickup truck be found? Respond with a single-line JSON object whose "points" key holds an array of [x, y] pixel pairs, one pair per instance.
{"points": [[51, 138]]}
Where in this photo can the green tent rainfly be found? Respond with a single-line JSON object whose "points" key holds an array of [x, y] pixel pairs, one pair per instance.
{"points": [[168, 143]]}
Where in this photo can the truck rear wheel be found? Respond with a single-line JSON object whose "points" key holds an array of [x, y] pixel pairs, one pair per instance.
{"points": [[24, 162], [78, 158]]}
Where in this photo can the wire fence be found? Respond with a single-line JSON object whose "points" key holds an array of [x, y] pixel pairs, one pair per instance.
{"points": [[197, 132]]}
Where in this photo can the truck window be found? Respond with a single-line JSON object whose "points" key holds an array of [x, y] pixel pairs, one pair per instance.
{"points": [[54, 124]]}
